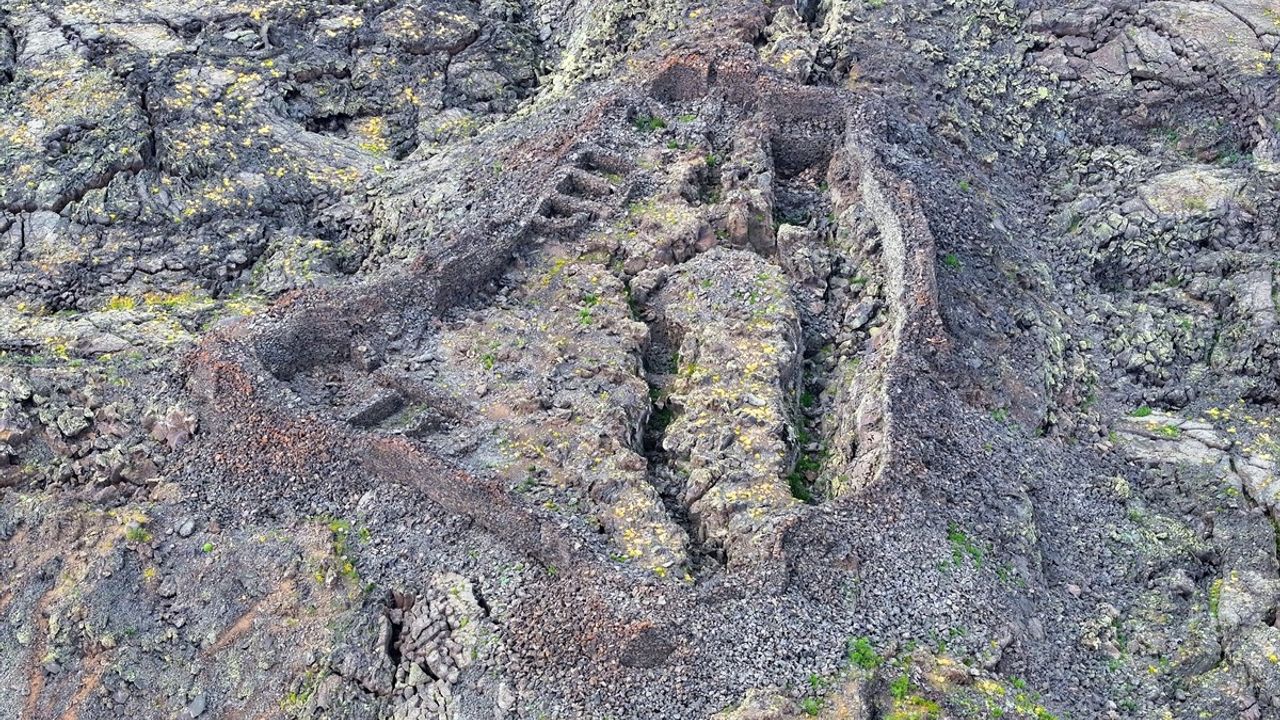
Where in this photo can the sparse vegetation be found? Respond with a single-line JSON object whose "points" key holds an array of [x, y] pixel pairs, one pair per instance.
{"points": [[121, 303], [1215, 597], [900, 687], [914, 707], [295, 701], [137, 534], [589, 303], [1195, 203], [862, 654], [648, 123], [799, 487], [807, 467], [341, 533], [962, 546]]}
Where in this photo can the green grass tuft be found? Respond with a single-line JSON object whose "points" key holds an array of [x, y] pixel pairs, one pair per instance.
{"points": [[648, 123], [863, 654]]}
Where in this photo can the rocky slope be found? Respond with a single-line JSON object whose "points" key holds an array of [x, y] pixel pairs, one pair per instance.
{"points": [[639, 359]]}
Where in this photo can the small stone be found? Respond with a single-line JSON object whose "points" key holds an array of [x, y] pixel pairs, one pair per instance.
{"points": [[175, 427], [195, 709], [14, 428], [417, 676], [187, 527], [506, 697], [102, 344], [73, 421]]}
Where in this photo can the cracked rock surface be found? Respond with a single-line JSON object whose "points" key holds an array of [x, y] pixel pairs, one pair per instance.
{"points": [[629, 359]]}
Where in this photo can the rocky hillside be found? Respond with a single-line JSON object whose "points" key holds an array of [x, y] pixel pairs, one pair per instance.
{"points": [[614, 359]]}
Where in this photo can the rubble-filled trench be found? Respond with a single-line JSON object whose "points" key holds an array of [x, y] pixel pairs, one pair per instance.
{"points": [[639, 359]]}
